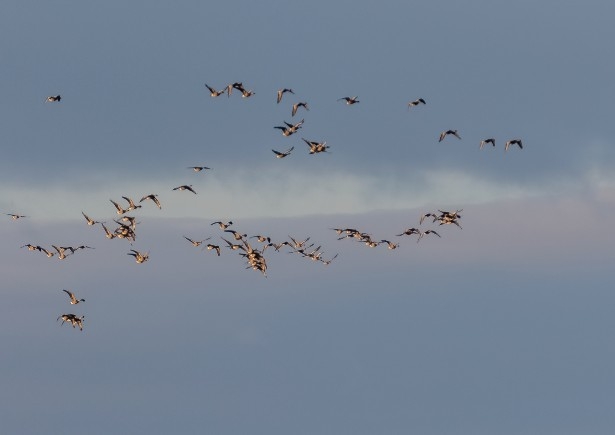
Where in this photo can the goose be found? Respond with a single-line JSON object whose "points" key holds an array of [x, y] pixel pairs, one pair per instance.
{"points": [[198, 168], [409, 232], [290, 128], [316, 147], [30, 247], [73, 250], [236, 85], [45, 251], [421, 234], [261, 239], [232, 246], [16, 216], [118, 207], [513, 142], [196, 243], [154, 198], [53, 98], [89, 220], [222, 225], [298, 243], [73, 299], [213, 92], [247, 94], [328, 262], [236, 234], [60, 250], [185, 187], [349, 100], [487, 141], [214, 247], [447, 132], [416, 103], [282, 154], [139, 257], [132, 220], [281, 93], [108, 233], [68, 318], [297, 105], [390, 244], [131, 204]]}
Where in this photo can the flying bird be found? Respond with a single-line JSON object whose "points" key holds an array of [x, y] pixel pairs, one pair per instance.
{"points": [[487, 141], [53, 98], [281, 93], [416, 103], [90, 220], [513, 142], [222, 225], [297, 105], [349, 100], [154, 198], [281, 155], [447, 132], [213, 92], [16, 216], [185, 187], [73, 299], [198, 168]]}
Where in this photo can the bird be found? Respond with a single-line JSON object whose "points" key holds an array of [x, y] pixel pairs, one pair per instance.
{"points": [[416, 103], [236, 234], [297, 105], [487, 141], [316, 147], [196, 243], [214, 247], [236, 85], [232, 246], [185, 187], [139, 257], [108, 233], [213, 92], [222, 225], [15, 216], [289, 128], [281, 93], [282, 154], [118, 207], [421, 234], [73, 299], [89, 220], [447, 132], [30, 247], [72, 319], [154, 198], [131, 204], [349, 100], [53, 99], [409, 232], [390, 244], [513, 142], [60, 250], [198, 168], [45, 251], [247, 94]]}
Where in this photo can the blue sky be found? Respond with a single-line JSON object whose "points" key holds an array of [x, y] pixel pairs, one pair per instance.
{"points": [[502, 327]]}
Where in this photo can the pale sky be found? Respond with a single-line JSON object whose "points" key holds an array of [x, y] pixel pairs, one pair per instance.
{"points": [[504, 326]]}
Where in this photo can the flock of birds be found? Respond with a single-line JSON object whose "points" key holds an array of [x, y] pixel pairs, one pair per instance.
{"points": [[251, 248]]}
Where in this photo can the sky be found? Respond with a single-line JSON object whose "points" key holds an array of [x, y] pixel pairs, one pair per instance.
{"points": [[503, 326]]}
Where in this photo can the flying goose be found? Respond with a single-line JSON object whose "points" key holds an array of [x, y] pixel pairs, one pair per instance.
{"points": [[185, 187], [349, 100], [215, 247], [15, 216], [89, 220], [513, 142], [409, 232], [53, 98], [236, 234], [247, 94], [281, 93], [416, 103], [108, 233], [222, 225], [198, 168], [213, 92], [282, 154], [139, 257], [421, 234], [73, 299], [316, 147], [236, 85], [297, 105], [154, 198], [196, 243], [118, 207], [487, 141], [390, 244], [60, 250], [72, 319], [447, 132], [131, 204]]}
